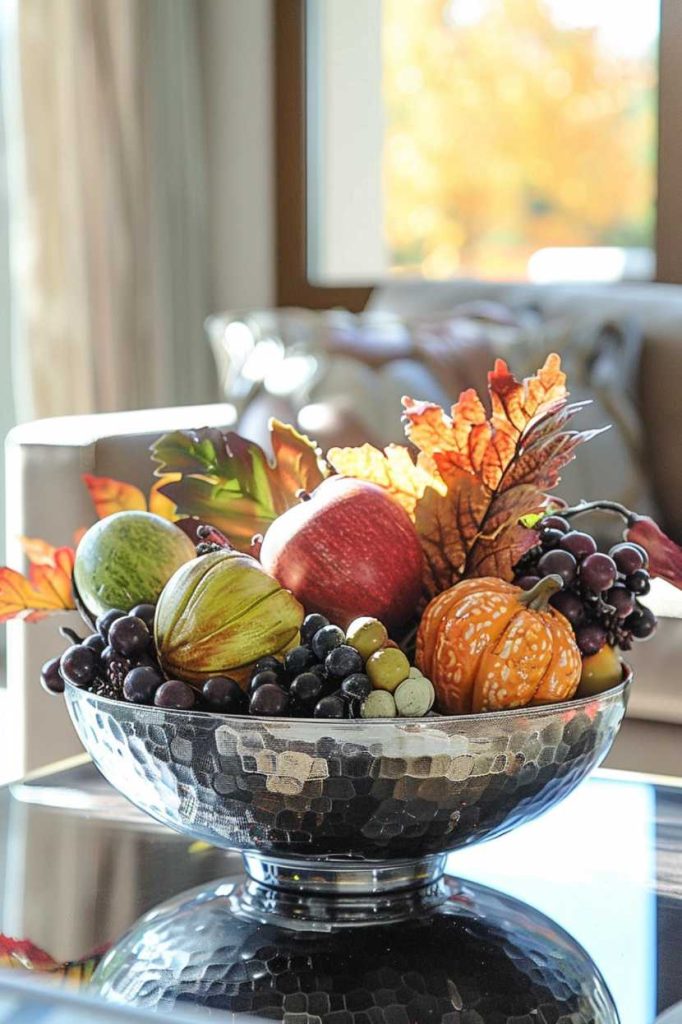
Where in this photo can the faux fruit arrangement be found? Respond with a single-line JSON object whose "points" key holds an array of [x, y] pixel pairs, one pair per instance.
{"points": [[442, 577]]}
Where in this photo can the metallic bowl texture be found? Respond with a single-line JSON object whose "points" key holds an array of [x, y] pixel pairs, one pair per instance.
{"points": [[461, 954], [392, 789]]}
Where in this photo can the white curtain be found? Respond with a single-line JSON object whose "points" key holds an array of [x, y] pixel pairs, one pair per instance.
{"points": [[110, 271]]}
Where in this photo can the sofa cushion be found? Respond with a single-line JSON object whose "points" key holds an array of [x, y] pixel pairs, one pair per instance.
{"points": [[341, 376], [655, 309]]}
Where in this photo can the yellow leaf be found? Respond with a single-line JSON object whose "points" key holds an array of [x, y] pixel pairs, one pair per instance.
{"points": [[47, 587], [159, 503], [393, 469]]}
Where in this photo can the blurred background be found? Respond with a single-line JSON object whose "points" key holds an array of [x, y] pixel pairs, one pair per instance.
{"points": [[312, 207]]}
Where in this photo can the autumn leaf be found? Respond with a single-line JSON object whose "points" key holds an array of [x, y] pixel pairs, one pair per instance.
{"points": [[159, 503], [24, 954], [298, 464], [44, 590], [665, 556], [228, 481], [495, 470], [110, 496], [394, 469], [38, 551]]}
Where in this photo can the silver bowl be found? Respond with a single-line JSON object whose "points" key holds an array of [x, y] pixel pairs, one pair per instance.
{"points": [[346, 806], [451, 952]]}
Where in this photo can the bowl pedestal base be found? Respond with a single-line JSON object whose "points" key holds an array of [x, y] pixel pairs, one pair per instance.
{"points": [[339, 878]]}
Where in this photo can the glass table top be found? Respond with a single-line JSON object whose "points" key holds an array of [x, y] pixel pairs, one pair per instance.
{"points": [[79, 865]]}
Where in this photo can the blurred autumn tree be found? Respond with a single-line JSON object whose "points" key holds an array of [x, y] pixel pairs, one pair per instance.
{"points": [[507, 132]]}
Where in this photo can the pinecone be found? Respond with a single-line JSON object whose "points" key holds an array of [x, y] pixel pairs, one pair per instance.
{"points": [[107, 688]]}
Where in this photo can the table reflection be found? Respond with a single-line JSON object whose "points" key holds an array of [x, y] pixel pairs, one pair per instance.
{"points": [[449, 952], [78, 866]]}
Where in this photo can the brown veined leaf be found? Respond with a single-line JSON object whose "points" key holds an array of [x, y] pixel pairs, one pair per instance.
{"points": [[474, 443], [394, 470], [299, 465], [110, 496], [465, 533], [515, 403], [496, 471], [44, 590]]}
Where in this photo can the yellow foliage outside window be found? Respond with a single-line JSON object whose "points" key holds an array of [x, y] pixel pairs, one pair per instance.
{"points": [[508, 131]]}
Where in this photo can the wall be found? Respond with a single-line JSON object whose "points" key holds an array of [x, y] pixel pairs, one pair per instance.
{"points": [[238, 79]]}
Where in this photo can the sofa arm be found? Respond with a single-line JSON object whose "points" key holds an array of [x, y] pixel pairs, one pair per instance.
{"points": [[46, 498]]}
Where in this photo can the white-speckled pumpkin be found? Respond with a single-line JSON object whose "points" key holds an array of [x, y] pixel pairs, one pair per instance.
{"points": [[486, 645]]}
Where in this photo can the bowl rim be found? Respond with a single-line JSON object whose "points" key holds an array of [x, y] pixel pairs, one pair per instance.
{"points": [[348, 723]]}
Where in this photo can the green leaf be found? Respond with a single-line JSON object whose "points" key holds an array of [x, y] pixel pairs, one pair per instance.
{"points": [[188, 451], [228, 481], [532, 519]]}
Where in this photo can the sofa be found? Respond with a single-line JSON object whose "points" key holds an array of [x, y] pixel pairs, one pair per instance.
{"points": [[372, 360]]}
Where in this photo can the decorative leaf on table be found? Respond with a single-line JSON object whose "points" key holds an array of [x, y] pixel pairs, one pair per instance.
{"points": [[46, 589], [228, 482], [496, 471], [394, 469], [24, 954]]}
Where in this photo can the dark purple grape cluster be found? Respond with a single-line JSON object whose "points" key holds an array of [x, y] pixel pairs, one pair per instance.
{"points": [[118, 662], [600, 592], [324, 677]]}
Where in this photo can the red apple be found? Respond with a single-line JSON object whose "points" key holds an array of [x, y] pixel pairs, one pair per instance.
{"points": [[348, 550]]}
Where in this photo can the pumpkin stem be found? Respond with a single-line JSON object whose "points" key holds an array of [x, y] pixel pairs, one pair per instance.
{"points": [[537, 598]]}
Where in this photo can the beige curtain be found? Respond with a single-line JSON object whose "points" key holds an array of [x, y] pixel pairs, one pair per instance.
{"points": [[110, 260]]}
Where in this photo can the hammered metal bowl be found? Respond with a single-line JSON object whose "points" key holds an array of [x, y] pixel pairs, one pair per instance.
{"points": [[460, 954], [289, 791]]}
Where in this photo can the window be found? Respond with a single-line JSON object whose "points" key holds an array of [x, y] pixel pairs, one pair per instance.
{"points": [[502, 139]]}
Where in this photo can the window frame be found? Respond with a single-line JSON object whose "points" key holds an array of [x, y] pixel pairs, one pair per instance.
{"points": [[294, 287]]}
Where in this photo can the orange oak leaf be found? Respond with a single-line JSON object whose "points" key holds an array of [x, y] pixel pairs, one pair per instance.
{"points": [[394, 470], [45, 589], [496, 471]]}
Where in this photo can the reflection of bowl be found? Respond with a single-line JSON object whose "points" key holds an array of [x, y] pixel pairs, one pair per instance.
{"points": [[391, 790], [453, 952]]}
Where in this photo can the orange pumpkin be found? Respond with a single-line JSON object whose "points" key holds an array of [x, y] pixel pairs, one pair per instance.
{"points": [[486, 645]]}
